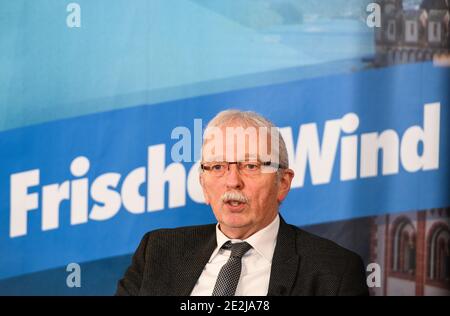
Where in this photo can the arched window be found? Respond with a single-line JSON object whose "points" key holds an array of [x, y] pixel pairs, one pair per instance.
{"points": [[439, 253], [404, 246]]}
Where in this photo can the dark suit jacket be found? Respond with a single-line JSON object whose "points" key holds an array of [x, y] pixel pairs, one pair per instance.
{"points": [[170, 261]]}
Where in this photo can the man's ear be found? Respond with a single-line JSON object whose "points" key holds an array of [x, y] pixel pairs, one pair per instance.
{"points": [[285, 184], [205, 194]]}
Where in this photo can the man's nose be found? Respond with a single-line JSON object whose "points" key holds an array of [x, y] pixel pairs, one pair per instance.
{"points": [[233, 177]]}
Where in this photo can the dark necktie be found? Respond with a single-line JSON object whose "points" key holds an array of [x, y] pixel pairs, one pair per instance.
{"points": [[230, 273]]}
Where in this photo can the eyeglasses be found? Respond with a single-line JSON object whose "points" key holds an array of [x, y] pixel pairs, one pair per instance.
{"points": [[247, 168]]}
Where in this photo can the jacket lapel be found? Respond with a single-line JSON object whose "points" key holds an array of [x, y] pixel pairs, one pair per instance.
{"points": [[190, 267], [285, 262]]}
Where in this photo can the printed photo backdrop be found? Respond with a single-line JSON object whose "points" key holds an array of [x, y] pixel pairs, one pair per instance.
{"points": [[96, 97]]}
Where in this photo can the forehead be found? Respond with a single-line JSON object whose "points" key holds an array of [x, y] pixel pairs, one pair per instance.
{"points": [[235, 141]]}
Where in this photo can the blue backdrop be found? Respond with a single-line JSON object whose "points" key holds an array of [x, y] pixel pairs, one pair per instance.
{"points": [[111, 92]]}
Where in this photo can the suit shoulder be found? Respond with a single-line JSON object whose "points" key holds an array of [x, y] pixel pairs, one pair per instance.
{"points": [[164, 236], [340, 270], [309, 244]]}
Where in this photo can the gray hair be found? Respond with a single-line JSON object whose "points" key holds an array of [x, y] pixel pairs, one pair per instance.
{"points": [[251, 119]]}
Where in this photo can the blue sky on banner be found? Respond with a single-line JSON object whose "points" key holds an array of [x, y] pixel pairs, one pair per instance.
{"points": [[157, 50]]}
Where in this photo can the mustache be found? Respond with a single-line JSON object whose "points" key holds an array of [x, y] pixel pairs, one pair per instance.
{"points": [[234, 196]]}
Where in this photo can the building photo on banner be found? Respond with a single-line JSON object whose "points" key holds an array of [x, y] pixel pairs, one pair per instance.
{"points": [[270, 147]]}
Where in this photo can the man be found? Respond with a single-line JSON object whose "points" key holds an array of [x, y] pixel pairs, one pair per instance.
{"points": [[245, 176]]}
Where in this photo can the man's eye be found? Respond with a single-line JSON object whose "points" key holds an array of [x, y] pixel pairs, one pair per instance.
{"points": [[217, 167], [251, 166]]}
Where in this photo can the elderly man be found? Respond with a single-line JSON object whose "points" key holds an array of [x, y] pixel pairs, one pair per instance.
{"points": [[245, 176]]}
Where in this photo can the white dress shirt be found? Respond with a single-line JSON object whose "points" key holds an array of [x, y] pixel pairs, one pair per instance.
{"points": [[256, 263]]}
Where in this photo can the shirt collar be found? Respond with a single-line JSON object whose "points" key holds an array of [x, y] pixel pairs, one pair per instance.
{"points": [[262, 241]]}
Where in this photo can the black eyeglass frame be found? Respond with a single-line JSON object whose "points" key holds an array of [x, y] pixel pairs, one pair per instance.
{"points": [[265, 164]]}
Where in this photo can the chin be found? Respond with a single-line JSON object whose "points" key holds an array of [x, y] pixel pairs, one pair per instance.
{"points": [[236, 220]]}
